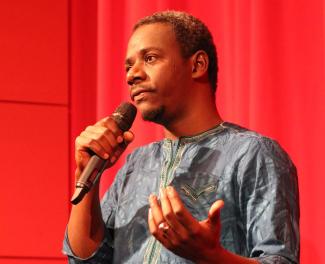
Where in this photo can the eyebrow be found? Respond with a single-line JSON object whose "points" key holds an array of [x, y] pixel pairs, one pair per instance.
{"points": [[128, 61]]}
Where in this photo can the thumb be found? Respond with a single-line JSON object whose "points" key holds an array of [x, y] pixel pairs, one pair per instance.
{"points": [[128, 137], [214, 212]]}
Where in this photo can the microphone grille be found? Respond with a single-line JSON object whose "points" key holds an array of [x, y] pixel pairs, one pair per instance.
{"points": [[124, 115]]}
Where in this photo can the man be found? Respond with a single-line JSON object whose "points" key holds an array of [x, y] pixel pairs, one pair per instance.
{"points": [[165, 203]]}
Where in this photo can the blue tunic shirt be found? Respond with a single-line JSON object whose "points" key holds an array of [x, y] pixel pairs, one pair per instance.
{"points": [[251, 173]]}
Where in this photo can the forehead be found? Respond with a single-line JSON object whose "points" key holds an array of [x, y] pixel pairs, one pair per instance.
{"points": [[158, 35]]}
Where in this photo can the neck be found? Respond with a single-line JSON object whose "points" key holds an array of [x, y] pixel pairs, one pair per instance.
{"points": [[199, 118]]}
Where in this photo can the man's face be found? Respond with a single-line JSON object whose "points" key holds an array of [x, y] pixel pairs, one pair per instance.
{"points": [[157, 74]]}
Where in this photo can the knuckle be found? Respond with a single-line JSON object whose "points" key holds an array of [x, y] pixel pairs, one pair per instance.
{"points": [[168, 215], [82, 134], [77, 141], [88, 128], [107, 131], [80, 143], [92, 142], [109, 122], [169, 246], [93, 145], [109, 150], [102, 121], [176, 244], [114, 147], [100, 137], [184, 239], [109, 135], [154, 232], [194, 231], [112, 142], [179, 212]]}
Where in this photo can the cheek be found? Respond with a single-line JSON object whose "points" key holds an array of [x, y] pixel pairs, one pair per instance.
{"points": [[161, 79], [170, 80]]}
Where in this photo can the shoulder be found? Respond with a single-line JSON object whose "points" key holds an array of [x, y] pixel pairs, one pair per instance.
{"points": [[260, 160], [145, 152], [241, 134], [252, 144]]}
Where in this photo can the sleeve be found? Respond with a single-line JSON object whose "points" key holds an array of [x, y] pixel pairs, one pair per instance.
{"points": [[269, 203], [104, 253]]}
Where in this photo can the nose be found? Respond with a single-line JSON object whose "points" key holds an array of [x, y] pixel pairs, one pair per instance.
{"points": [[135, 74]]}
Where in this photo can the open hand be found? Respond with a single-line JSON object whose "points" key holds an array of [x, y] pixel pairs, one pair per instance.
{"points": [[173, 225]]}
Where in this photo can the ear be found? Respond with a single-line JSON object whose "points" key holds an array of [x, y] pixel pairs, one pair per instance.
{"points": [[200, 64]]}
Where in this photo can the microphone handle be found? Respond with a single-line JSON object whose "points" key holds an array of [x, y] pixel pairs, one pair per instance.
{"points": [[90, 175]]}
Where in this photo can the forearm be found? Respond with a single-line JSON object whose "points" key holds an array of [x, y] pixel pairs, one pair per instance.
{"points": [[86, 226]]}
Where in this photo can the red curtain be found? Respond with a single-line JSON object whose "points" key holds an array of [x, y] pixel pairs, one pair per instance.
{"points": [[63, 69], [271, 58]]}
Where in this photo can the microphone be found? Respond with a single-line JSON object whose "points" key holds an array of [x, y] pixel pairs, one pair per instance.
{"points": [[123, 116]]}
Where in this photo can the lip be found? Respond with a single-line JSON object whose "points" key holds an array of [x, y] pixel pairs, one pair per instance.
{"points": [[138, 91]]}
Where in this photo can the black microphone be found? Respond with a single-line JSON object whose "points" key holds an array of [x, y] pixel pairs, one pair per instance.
{"points": [[123, 116]]}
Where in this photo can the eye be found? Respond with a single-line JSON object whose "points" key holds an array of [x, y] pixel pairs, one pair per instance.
{"points": [[127, 67], [150, 58]]}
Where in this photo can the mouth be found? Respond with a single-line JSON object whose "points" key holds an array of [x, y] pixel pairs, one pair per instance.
{"points": [[138, 93]]}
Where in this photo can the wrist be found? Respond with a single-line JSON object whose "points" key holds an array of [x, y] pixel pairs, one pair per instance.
{"points": [[210, 255]]}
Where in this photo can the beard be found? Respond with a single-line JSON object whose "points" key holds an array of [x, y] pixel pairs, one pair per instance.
{"points": [[154, 115]]}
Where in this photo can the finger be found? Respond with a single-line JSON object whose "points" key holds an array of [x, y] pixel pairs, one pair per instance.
{"points": [[170, 217], [102, 121], [153, 228], [214, 212], [110, 123], [183, 216], [107, 137], [96, 143], [156, 231], [156, 212], [82, 158], [105, 134], [120, 147], [84, 143], [156, 218], [169, 237], [128, 137], [124, 142], [107, 141]]}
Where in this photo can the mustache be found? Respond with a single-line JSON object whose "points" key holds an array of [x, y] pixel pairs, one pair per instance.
{"points": [[137, 89], [142, 87]]}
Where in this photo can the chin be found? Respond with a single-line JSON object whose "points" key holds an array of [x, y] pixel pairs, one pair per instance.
{"points": [[153, 114]]}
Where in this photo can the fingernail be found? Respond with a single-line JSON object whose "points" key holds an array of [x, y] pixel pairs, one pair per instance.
{"points": [[169, 189], [151, 198], [120, 139], [162, 193], [150, 213], [106, 156], [113, 159]]}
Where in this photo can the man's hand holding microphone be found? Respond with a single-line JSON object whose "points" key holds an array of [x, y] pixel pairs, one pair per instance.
{"points": [[97, 148]]}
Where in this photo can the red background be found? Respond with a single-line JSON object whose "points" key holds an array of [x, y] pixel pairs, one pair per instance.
{"points": [[61, 68]]}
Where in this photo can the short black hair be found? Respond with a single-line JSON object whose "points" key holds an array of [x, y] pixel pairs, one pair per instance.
{"points": [[192, 35]]}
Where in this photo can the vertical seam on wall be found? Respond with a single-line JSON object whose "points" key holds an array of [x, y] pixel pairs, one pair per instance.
{"points": [[69, 14]]}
